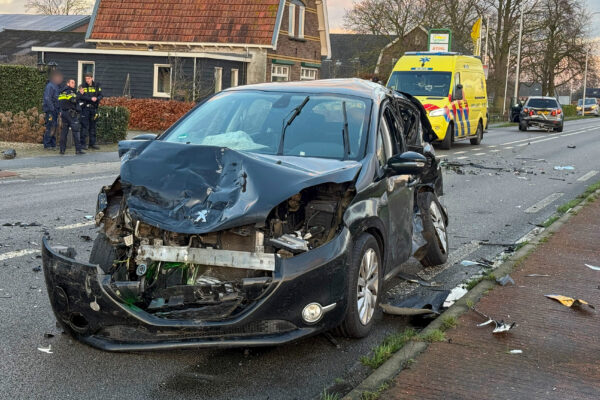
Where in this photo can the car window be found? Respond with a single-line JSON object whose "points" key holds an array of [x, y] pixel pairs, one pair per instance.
{"points": [[386, 137], [396, 131], [542, 103], [254, 121]]}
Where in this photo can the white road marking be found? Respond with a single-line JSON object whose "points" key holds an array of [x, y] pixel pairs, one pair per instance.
{"points": [[75, 180], [494, 151], [479, 154], [8, 180], [75, 226], [508, 147], [587, 176], [460, 152], [18, 253], [492, 146], [461, 158], [523, 140], [537, 141], [544, 203]]}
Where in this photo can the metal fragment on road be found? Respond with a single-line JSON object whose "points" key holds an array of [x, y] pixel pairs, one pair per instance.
{"points": [[537, 276], [516, 351], [592, 267], [47, 350], [415, 279], [564, 168], [505, 280], [499, 326]]}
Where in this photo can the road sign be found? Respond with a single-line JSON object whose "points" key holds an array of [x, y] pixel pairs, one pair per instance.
{"points": [[439, 40]]}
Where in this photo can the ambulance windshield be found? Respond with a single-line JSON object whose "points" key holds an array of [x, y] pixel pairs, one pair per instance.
{"points": [[421, 83]]}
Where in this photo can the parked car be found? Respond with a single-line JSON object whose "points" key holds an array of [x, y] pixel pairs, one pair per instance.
{"points": [[542, 112], [452, 88], [268, 213], [591, 107]]}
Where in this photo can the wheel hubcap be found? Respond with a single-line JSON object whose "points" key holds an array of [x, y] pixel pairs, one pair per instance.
{"points": [[368, 286], [439, 225]]}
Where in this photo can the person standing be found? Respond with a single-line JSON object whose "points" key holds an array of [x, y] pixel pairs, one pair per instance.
{"points": [[51, 108], [70, 111], [92, 95]]}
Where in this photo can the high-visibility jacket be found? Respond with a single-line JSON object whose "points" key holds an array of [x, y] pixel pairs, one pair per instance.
{"points": [[69, 99], [89, 91]]}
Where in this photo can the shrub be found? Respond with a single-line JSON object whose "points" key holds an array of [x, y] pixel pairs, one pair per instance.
{"points": [[22, 126], [151, 114], [570, 110], [112, 124], [22, 88]]}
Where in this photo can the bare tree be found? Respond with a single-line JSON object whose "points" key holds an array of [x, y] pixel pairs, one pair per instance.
{"points": [[456, 15], [556, 51], [60, 7]]}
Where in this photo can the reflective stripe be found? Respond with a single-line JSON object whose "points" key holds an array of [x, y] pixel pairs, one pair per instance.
{"points": [[66, 96]]}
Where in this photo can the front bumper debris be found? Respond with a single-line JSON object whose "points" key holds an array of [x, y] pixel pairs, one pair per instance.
{"points": [[87, 305]]}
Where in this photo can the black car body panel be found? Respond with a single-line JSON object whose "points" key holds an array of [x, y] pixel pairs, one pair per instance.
{"points": [[175, 197]]}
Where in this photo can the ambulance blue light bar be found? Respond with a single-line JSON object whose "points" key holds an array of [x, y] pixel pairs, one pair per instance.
{"points": [[431, 53]]}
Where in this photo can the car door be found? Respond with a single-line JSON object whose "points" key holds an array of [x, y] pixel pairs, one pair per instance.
{"points": [[399, 192]]}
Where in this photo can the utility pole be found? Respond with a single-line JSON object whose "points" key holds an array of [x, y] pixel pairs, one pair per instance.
{"points": [[587, 53], [519, 55], [506, 82], [487, 33]]}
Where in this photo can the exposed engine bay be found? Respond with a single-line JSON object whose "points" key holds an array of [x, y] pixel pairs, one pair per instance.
{"points": [[218, 274]]}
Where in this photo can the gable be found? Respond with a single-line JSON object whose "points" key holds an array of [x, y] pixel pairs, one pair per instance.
{"points": [[191, 21]]}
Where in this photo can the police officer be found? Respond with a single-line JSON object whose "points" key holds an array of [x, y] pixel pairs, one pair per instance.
{"points": [[51, 108], [92, 94], [70, 110]]}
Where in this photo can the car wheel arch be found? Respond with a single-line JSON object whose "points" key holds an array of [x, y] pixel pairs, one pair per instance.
{"points": [[374, 226]]}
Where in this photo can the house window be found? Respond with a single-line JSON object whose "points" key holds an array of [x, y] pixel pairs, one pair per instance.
{"points": [[85, 67], [293, 30], [162, 80], [280, 73], [308, 74], [218, 79], [235, 77]]}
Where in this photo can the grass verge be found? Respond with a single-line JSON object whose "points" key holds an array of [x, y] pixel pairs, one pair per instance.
{"points": [[28, 150], [389, 346]]}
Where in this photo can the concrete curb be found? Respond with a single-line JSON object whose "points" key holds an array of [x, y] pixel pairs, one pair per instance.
{"points": [[392, 367]]}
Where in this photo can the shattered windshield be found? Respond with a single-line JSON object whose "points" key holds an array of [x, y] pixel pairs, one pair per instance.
{"points": [[421, 83], [542, 103], [254, 121]]}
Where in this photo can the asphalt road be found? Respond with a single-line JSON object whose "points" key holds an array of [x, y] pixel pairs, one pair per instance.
{"points": [[503, 188]]}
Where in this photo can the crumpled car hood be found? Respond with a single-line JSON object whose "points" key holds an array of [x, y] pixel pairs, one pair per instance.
{"points": [[195, 189]]}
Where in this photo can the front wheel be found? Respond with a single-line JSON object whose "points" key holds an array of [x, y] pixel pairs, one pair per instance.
{"points": [[364, 287], [522, 126], [447, 142], [560, 128], [477, 139], [434, 230]]}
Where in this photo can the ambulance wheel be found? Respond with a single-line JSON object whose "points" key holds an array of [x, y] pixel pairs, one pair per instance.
{"points": [[477, 139], [447, 142]]}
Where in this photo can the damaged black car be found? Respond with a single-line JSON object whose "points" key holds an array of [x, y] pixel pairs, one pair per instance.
{"points": [[268, 213]]}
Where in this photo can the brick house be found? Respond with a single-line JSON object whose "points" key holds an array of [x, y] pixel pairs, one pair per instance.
{"points": [[190, 49], [414, 40]]}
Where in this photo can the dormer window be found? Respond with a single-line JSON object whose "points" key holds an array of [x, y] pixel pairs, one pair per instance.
{"points": [[297, 13]]}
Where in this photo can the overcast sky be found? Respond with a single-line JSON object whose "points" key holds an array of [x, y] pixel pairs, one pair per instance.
{"points": [[336, 11]]}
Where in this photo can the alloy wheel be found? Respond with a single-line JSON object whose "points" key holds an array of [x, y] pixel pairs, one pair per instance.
{"points": [[368, 286], [439, 225]]}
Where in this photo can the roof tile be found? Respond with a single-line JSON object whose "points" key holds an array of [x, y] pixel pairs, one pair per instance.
{"points": [[189, 21]]}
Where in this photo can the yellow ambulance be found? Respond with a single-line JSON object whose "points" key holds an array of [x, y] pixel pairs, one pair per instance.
{"points": [[452, 89]]}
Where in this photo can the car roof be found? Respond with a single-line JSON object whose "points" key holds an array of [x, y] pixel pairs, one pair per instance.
{"points": [[541, 97], [351, 87]]}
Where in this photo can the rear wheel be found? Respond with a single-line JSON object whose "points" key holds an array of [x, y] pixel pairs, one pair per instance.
{"points": [[447, 142], [522, 126], [477, 139], [434, 230], [364, 288], [560, 128]]}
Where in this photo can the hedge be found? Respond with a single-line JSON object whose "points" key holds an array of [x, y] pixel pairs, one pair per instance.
{"points": [[570, 110], [112, 124], [151, 114], [22, 88], [24, 126]]}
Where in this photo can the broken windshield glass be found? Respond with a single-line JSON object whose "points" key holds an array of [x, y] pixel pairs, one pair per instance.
{"points": [[252, 121]]}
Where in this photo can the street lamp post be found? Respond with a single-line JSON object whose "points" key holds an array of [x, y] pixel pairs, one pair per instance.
{"points": [[587, 53], [519, 56]]}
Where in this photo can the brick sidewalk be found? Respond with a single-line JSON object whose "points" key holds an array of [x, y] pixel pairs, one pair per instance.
{"points": [[561, 346]]}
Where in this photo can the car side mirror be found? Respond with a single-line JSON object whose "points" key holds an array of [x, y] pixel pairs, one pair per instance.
{"points": [[458, 92], [408, 163], [136, 142]]}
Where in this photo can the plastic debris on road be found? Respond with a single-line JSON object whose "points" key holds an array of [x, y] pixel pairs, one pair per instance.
{"points": [[47, 350], [592, 267], [420, 304], [537, 276], [499, 326], [568, 301], [564, 168], [454, 295], [89, 217], [505, 280], [571, 146], [9, 154], [516, 351]]}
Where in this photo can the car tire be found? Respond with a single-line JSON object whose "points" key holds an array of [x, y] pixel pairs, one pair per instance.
{"points": [[365, 253], [560, 128], [522, 126], [477, 139], [447, 142], [103, 253], [435, 230]]}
